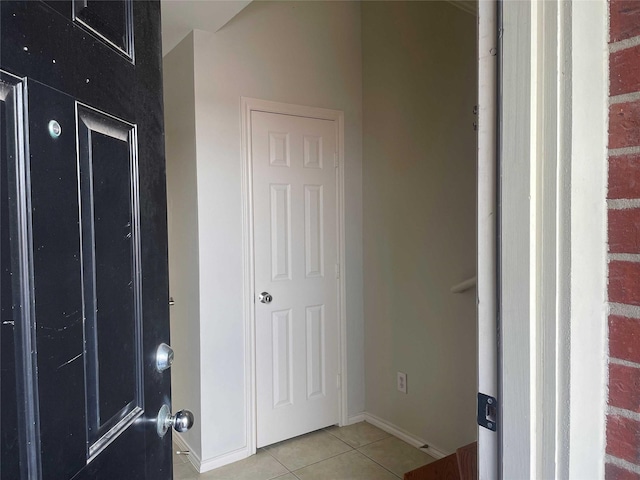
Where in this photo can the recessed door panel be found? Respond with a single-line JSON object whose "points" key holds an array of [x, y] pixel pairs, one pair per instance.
{"points": [[107, 163], [111, 20]]}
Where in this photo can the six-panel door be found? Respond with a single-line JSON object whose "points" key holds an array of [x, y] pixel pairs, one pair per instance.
{"points": [[296, 256]]}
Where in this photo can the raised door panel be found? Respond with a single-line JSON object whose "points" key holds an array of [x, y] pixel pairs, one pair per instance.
{"points": [[279, 149], [280, 232], [282, 351], [312, 151], [316, 351], [314, 230], [107, 165], [111, 21]]}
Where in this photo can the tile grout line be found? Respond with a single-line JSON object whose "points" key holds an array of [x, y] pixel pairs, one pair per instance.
{"points": [[320, 461], [283, 465], [364, 444], [379, 464], [357, 449], [349, 448], [332, 456]]}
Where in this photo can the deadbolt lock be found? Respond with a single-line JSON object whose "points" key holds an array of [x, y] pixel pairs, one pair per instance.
{"points": [[164, 357]]}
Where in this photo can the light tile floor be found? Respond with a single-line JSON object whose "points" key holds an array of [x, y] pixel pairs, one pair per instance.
{"points": [[357, 452]]}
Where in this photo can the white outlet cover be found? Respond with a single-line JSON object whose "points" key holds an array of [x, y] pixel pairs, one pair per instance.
{"points": [[402, 382]]}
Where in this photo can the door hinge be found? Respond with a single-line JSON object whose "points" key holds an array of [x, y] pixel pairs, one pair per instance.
{"points": [[487, 411], [339, 381], [337, 270]]}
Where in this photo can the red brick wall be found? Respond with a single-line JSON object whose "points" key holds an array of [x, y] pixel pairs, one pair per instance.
{"points": [[623, 419]]}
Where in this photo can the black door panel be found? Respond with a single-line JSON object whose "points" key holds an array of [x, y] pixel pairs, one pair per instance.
{"points": [[40, 43], [57, 283], [84, 245]]}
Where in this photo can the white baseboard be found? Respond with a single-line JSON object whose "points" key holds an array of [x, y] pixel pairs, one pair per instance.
{"points": [[222, 460], [208, 464], [242, 453], [411, 439], [182, 444], [355, 419]]}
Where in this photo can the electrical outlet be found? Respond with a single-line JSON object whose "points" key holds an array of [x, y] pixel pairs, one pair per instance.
{"points": [[402, 382]]}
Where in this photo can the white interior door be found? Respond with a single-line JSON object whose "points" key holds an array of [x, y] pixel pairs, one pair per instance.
{"points": [[296, 263]]}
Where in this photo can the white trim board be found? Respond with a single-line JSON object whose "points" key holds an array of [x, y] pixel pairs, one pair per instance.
{"points": [[360, 417], [240, 454], [247, 106], [182, 444], [553, 239], [208, 464], [400, 433], [589, 127], [486, 236]]}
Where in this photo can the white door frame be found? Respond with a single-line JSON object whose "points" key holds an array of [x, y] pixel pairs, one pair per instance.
{"points": [[247, 106], [553, 254], [487, 262]]}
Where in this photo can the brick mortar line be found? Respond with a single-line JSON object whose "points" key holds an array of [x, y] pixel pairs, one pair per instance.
{"points": [[623, 203], [618, 152], [624, 257], [624, 44], [619, 462], [622, 412], [625, 363], [624, 310], [624, 98]]}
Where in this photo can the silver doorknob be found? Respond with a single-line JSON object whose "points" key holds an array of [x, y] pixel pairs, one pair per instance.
{"points": [[265, 297], [181, 421]]}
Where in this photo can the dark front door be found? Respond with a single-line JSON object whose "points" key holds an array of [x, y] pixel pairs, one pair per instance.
{"points": [[83, 240]]}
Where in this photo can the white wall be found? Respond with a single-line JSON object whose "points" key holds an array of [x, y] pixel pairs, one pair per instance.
{"points": [[306, 53], [419, 90], [180, 139]]}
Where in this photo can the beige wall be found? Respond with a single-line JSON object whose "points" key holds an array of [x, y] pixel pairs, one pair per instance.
{"points": [[404, 74], [419, 89], [180, 136], [306, 53]]}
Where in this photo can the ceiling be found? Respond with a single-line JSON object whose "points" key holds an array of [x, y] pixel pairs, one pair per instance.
{"points": [[179, 17]]}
